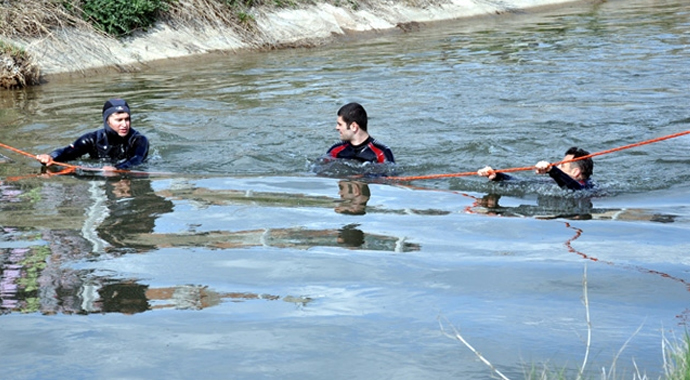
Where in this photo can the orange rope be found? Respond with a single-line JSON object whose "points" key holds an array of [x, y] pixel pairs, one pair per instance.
{"points": [[35, 157], [510, 170], [75, 167]]}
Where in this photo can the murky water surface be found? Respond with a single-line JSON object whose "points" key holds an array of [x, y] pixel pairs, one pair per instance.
{"points": [[243, 256]]}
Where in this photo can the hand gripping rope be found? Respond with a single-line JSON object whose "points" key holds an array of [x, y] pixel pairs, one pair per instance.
{"points": [[510, 170]]}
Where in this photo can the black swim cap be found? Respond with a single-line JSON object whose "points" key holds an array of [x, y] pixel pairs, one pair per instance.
{"points": [[113, 106]]}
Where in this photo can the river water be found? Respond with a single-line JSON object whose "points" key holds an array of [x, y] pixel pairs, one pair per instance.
{"points": [[242, 255]]}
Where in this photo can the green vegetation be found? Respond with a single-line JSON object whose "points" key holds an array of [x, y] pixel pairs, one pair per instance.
{"points": [[122, 17], [677, 359]]}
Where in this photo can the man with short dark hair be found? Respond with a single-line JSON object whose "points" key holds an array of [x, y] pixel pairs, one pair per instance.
{"points": [[356, 143], [117, 142], [573, 175]]}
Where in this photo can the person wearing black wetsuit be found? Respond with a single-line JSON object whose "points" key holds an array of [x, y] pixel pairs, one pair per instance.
{"points": [[573, 175], [356, 144], [116, 142]]}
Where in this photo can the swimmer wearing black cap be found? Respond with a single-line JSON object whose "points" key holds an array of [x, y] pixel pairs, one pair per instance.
{"points": [[117, 142]]}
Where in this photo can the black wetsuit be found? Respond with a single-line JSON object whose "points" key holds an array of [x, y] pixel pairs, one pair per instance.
{"points": [[563, 180], [368, 151], [106, 144]]}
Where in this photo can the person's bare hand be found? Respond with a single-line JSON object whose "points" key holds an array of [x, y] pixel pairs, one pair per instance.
{"points": [[45, 159], [109, 171], [542, 167], [487, 171]]}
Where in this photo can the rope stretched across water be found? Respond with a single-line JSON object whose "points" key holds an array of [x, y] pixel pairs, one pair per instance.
{"points": [[526, 168], [72, 168], [402, 179]]}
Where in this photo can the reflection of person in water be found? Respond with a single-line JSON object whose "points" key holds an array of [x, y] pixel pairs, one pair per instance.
{"points": [[130, 297], [123, 297], [578, 208], [350, 236], [547, 207], [133, 207], [354, 197]]}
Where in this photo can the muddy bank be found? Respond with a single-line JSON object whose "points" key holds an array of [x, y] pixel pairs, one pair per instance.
{"points": [[77, 52]]}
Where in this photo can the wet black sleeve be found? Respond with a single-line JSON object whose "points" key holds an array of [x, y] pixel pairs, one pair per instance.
{"points": [[563, 180], [389, 155], [83, 145]]}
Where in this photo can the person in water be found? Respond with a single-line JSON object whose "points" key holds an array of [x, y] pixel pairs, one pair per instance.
{"points": [[117, 142], [356, 143], [573, 175]]}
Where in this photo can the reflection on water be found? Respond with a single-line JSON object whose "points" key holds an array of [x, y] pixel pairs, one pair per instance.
{"points": [[32, 279], [354, 195], [559, 207], [120, 218]]}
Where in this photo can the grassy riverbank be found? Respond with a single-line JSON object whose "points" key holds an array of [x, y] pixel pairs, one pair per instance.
{"points": [[85, 37], [28, 20]]}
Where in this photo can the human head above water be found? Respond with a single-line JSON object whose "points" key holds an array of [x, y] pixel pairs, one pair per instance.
{"points": [[354, 112], [114, 106], [585, 165]]}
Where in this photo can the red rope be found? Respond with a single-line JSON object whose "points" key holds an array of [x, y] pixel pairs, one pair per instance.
{"points": [[449, 175]]}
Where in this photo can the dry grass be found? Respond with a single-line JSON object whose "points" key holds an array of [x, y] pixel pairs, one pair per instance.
{"points": [[676, 355], [36, 18], [29, 19]]}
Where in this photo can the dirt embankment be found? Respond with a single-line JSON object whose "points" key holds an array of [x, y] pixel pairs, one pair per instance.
{"points": [[74, 51]]}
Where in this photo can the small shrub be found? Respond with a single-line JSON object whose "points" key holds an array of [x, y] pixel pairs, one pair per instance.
{"points": [[122, 17], [17, 68]]}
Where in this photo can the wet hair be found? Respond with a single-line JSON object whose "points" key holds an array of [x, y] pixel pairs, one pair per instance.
{"points": [[354, 112], [114, 106], [585, 165]]}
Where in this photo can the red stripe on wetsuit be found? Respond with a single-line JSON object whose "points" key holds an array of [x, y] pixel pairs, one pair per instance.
{"points": [[335, 151], [380, 156]]}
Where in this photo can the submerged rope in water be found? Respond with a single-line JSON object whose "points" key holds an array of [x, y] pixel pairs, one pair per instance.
{"points": [[526, 168]]}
